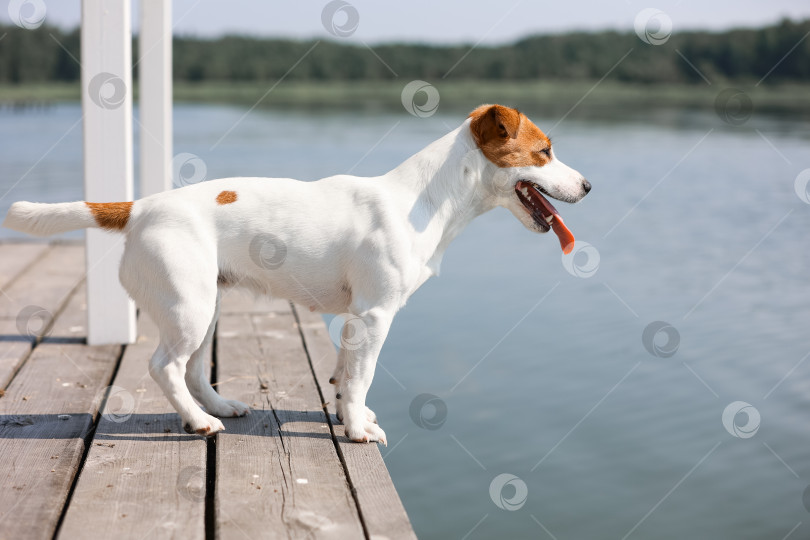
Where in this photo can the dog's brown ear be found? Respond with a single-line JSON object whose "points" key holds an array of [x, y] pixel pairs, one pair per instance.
{"points": [[494, 122]]}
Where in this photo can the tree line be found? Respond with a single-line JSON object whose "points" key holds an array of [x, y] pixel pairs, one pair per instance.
{"points": [[50, 54]]}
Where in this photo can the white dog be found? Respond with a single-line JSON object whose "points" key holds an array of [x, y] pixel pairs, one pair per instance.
{"points": [[343, 244]]}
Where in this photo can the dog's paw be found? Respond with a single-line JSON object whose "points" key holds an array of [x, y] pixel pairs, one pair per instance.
{"points": [[366, 432], [228, 408], [206, 426], [370, 416]]}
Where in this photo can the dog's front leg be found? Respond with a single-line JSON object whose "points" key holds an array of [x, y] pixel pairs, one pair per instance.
{"points": [[361, 343]]}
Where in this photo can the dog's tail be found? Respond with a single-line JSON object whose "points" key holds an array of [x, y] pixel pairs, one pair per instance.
{"points": [[43, 219]]}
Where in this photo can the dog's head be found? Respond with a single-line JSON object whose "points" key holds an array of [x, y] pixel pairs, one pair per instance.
{"points": [[526, 168]]}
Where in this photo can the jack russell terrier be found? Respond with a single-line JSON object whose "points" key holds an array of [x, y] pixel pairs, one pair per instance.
{"points": [[343, 244]]}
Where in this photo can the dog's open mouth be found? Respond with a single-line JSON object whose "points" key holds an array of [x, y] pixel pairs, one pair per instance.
{"points": [[544, 214]]}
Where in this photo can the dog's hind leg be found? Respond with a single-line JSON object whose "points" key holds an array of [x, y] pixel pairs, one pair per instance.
{"points": [[168, 368], [198, 383], [183, 321], [171, 273]]}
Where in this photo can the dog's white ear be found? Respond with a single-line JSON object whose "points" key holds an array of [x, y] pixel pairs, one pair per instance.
{"points": [[491, 122]]}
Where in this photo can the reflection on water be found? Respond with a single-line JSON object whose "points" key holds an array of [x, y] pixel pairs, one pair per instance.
{"points": [[549, 378]]}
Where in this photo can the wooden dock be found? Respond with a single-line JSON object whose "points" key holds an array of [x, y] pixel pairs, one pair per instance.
{"points": [[90, 448]]}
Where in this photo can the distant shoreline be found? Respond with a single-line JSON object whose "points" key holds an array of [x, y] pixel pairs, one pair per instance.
{"points": [[551, 96]]}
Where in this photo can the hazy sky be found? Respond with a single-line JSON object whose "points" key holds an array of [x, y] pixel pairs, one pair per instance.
{"points": [[443, 21]]}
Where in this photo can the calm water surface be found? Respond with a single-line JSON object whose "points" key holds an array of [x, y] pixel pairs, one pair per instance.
{"points": [[543, 374]]}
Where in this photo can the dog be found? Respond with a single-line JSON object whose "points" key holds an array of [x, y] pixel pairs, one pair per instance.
{"points": [[342, 244]]}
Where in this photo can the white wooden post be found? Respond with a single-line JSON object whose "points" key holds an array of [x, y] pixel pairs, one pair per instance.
{"points": [[155, 100], [106, 38]]}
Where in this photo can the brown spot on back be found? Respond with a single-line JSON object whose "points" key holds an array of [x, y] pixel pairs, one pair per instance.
{"points": [[226, 197], [112, 216], [508, 138]]}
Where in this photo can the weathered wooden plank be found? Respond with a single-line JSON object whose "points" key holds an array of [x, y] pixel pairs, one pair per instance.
{"points": [[14, 258], [45, 416], [143, 476], [380, 505], [14, 348], [47, 284], [278, 474], [28, 305]]}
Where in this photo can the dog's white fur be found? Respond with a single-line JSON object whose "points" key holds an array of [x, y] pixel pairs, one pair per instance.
{"points": [[343, 244]]}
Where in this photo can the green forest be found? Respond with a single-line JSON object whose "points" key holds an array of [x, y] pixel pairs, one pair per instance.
{"points": [[47, 55]]}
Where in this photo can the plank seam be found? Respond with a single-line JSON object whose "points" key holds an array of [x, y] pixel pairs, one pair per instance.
{"points": [[88, 443], [41, 337], [210, 515], [339, 451]]}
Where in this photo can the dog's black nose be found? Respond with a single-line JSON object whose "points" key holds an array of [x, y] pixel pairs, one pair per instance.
{"points": [[586, 186]]}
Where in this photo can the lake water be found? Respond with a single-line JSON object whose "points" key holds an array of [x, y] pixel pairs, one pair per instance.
{"points": [[544, 376]]}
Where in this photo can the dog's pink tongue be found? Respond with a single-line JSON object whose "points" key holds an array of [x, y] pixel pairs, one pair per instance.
{"points": [[563, 233]]}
